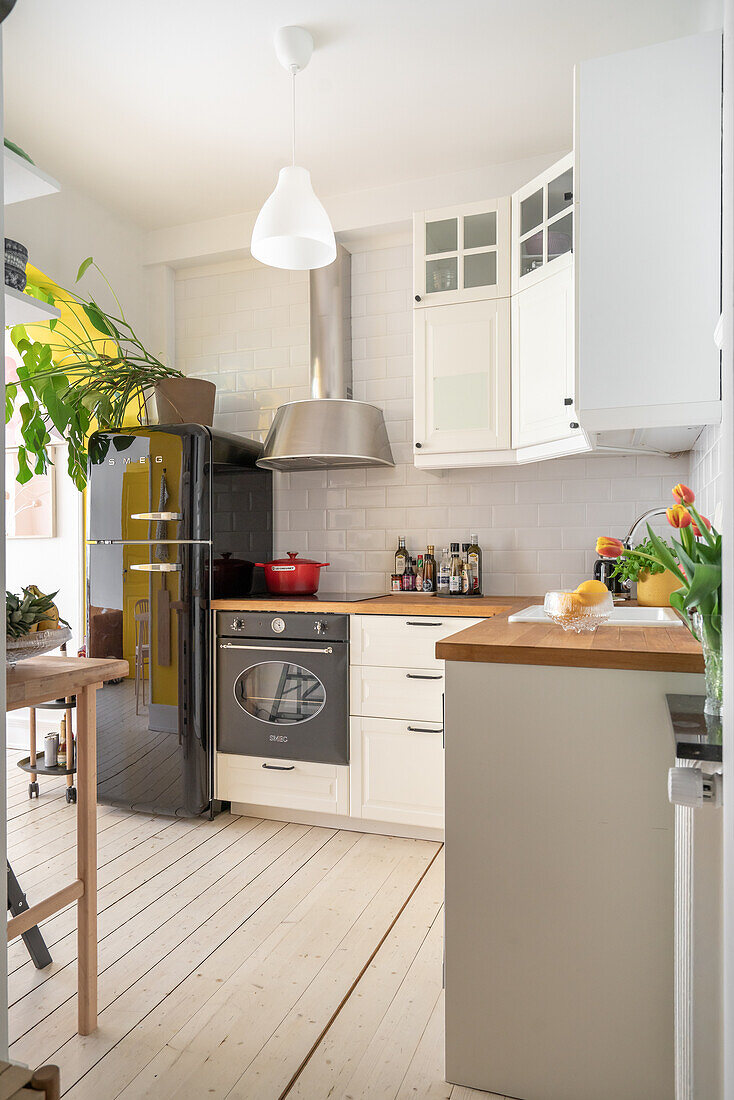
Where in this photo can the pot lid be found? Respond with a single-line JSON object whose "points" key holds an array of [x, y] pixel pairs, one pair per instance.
{"points": [[291, 560]]}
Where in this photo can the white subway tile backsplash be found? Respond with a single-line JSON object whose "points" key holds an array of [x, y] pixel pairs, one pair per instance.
{"points": [[245, 326]]}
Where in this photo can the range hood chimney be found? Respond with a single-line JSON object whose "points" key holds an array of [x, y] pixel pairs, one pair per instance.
{"points": [[329, 430]]}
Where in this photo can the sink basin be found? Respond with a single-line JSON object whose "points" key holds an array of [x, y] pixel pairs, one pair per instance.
{"points": [[621, 616]]}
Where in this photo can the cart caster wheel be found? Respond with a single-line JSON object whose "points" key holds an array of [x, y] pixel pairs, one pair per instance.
{"points": [[32, 790], [71, 794]]}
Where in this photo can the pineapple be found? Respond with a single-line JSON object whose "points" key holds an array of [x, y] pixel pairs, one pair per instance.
{"points": [[24, 614]]}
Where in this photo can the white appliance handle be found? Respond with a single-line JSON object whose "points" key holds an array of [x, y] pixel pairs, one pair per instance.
{"points": [[157, 567]]}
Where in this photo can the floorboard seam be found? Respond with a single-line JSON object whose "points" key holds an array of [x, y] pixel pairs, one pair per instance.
{"points": [[330, 1022]]}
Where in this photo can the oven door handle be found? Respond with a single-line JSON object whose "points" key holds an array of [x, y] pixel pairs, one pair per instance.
{"points": [[278, 648]]}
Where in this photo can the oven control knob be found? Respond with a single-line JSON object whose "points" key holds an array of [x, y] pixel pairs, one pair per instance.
{"points": [[238, 624], [278, 625], [319, 626]]}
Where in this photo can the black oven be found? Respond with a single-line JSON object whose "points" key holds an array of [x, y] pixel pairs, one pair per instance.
{"points": [[282, 685]]}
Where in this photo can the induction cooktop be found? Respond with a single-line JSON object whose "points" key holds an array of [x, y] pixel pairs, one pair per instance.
{"points": [[328, 597]]}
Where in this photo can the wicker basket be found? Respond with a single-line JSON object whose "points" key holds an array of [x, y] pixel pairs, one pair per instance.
{"points": [[33, 645]]}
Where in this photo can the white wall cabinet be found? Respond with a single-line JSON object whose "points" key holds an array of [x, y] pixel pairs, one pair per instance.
{"points": [[462, 253], [543, 362], [462, 378], [648, 235], [542, 225], [615, 282]]}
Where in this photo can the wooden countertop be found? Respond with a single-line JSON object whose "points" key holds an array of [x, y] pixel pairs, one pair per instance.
{"points": [[39, 679], [459, 606], [652, 648]]}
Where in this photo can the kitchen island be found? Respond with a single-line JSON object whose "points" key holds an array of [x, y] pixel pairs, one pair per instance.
{"points": [[560, 858]]}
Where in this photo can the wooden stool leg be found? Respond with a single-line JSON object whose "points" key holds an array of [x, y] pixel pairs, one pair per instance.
{"points": [[86, 825], [32, 745], [69, 746], [47, 1079]]}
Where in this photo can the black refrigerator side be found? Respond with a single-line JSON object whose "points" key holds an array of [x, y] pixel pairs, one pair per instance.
{"points": [[149, 603]]}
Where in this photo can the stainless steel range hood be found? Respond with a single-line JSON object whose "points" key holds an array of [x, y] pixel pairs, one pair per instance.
{"points": [[329, 430]]}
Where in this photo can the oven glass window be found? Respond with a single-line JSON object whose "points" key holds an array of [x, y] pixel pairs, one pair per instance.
{"points": [[279, 693]]}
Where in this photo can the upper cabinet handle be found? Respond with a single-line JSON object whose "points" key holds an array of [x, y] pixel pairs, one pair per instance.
{"points": [[164, 516]]}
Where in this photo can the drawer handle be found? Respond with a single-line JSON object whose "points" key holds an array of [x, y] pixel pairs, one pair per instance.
{"points": [[422, 729], [422, 676], [280, 767], [167, 517], [414, 623]]}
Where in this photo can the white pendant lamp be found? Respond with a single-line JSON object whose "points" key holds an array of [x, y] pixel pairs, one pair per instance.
{"points": [[293, 230]]}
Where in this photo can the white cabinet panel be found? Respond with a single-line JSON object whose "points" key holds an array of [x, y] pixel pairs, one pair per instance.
{"points": [[399, 641], [648, 235], [291, 784], [543, 381], [397, 771], [462, 378], [409, 693]]}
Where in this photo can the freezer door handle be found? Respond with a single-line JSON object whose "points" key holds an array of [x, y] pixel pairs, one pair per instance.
{"points": [[163, 516], [158, 567]]}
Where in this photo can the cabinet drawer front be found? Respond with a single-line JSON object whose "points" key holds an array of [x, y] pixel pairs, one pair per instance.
{"points": [[408, 693], [408, 641], [291, 784], [397, 772]]}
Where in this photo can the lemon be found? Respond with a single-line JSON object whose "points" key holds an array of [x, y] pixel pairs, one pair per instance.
{"points": [[591, 593]]}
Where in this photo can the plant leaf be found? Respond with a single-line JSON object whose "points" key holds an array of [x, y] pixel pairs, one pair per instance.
{"points": [[705, 582], [83, 267], [97, 319], [665, 555]]}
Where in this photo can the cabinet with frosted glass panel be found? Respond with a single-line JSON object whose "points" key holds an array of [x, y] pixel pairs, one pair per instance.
{"points": [[462, 254]]}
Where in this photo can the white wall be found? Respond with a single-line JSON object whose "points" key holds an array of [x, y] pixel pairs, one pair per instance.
{"points": [[245, 327], [707, 479], [60, 231]]}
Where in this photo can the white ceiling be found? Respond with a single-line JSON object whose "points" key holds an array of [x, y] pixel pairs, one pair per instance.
{"points": [[170, 111]]}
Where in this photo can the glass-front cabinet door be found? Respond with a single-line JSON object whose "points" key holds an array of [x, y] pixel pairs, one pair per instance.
{"points": [[542, 225], [462, 254]]}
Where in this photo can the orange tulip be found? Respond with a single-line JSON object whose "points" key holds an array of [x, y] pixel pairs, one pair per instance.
{"points": [[678, 516], [607, 547], [683, 494], [696, 531]]}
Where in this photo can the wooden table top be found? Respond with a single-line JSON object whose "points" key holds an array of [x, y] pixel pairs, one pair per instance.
{"points": [[400, 604], [651, 648], [46, 677]]}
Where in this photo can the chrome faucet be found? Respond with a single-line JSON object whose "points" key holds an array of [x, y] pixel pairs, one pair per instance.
{"points": [[648, 515]]}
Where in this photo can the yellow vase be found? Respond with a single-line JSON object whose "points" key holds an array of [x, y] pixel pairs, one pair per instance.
{"points": [[655, 590]]}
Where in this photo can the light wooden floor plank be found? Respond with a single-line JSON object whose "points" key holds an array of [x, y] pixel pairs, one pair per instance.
{"points": [[239, 958]]}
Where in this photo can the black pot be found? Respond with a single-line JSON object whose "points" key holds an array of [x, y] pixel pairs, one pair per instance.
{"points": [[232, 577], [16, 258]]}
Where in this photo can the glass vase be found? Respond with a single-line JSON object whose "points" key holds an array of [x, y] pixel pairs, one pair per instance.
{"points": [[707, 628]]}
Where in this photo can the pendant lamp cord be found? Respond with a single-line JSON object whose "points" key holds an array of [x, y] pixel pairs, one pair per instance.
{"points": [[294, 70]]}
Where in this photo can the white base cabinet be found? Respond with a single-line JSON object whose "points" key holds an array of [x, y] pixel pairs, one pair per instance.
{"points": [[396, 771], [298, 784]]}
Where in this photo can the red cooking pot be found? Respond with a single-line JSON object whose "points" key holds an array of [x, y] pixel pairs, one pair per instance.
{"points": [[291, 577]]}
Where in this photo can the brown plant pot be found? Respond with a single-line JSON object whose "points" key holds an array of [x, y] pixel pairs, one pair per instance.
{"points": [[183, 401]]}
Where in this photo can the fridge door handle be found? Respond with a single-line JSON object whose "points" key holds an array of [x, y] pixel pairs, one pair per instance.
{"points": [[162, 516], [158, 567]]}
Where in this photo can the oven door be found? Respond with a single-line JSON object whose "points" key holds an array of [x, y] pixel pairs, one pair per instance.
{"points": [[283, 698]]}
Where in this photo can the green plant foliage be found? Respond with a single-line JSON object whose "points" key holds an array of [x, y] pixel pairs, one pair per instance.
{"points": [[87, 384], [629, 569]]}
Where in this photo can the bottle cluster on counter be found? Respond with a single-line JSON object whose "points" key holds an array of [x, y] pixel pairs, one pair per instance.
{"points": [[454, 573]]}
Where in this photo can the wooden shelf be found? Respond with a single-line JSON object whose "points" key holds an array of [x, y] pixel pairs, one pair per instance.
{"points": [[23, 180], [21, 309]]}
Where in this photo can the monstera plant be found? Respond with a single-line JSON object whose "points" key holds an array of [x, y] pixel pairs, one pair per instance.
{"points": [[89, 372]]}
